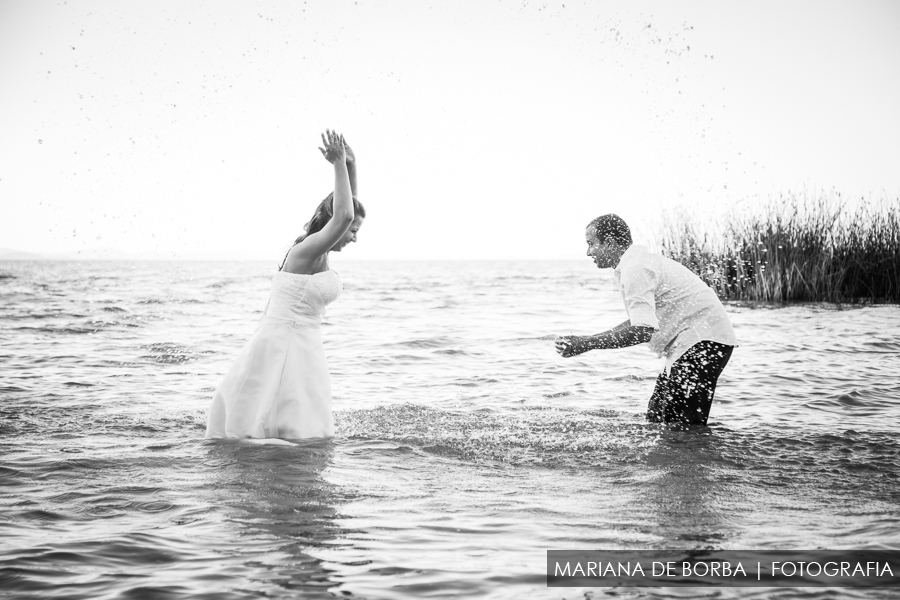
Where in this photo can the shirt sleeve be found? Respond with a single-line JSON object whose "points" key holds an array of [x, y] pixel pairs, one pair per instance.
{"points": [[639, 293]]}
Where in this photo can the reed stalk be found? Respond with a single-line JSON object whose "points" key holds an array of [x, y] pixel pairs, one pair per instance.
{"points": [[793, 249]]}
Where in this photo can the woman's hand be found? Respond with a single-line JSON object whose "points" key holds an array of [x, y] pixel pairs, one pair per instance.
{"points": [[334, 150], [571, 345]]}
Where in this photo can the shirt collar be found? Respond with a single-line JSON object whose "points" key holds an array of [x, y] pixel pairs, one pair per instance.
{"points": [[633, 250]]}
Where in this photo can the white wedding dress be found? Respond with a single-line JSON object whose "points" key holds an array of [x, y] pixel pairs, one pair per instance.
{"points": [[279, 385]]}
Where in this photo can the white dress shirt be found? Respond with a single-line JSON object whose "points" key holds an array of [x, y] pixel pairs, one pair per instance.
{"points": [[665, 295]]}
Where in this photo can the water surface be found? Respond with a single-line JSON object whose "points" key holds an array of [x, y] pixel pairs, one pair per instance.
{"points": [[466, 447]]}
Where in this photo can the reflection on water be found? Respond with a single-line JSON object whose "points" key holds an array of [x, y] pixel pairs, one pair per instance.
{"points": [[279, 497], [685, 496], [466, 447]]}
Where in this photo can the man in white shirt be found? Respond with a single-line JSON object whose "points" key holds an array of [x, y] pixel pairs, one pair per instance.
{"points": [[672, 309]]}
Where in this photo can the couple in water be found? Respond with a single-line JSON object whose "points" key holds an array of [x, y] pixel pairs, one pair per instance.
{"points": [[279, 386]]}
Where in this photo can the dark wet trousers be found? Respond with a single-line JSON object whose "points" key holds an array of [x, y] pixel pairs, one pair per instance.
{"points": [[685, 395]]}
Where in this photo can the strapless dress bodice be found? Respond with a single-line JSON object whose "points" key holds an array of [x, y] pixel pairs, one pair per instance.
{"points": [[297, 296]]}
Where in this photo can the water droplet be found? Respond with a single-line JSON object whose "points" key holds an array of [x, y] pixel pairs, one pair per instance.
{"points": [[40, 141]]}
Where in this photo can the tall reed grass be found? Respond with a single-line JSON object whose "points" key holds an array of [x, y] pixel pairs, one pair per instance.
{"points": [[793, 249]]}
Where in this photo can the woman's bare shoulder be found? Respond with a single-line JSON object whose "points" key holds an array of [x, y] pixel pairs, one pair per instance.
{"points": [[301, 262]]}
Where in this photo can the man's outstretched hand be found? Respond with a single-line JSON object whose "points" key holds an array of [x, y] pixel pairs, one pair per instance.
{"points": [[572, 345]]}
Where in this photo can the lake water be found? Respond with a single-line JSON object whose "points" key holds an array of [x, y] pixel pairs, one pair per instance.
{"points": [[466, 447]]}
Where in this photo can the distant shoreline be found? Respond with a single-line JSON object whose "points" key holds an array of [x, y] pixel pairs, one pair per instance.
{"points": [[68, 258]]}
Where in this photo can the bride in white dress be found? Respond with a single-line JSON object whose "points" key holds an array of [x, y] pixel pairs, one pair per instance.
{"points": [[279, 387]]}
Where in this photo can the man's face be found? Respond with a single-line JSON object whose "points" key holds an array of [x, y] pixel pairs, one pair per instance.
{"points": [[603, 253]]}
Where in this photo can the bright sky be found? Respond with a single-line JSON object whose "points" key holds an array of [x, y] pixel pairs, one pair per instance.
{"points": [[484, 129]]}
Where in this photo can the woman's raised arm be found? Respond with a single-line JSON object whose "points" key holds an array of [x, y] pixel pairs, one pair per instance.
{"points": [[318, 243], [351, 168]]}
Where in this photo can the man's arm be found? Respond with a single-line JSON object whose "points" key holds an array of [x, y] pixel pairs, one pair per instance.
{"points": [[621, 336]]}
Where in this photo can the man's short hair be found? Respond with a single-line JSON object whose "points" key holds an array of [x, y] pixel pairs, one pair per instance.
{"points": [[612, 226]]}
